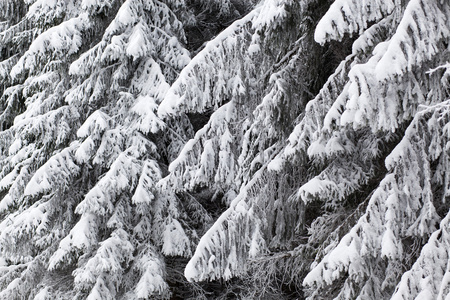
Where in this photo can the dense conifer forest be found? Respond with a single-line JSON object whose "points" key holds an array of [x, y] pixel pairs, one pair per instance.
{"points": [[224, 149]]}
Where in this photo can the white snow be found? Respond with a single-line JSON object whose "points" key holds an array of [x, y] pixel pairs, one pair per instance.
{"points": [[9, 179], [389, 246], [85, 151], [175, 241], [146, 108], [64, 39], [138, 45], [96, 123], [176, 99], [58, 169], [314, 187], [81, 237], [350, 16]]}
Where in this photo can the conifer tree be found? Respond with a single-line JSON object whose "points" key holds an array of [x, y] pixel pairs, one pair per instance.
{"points": [[338, 148], [244, 132], [300, 153], [37, 126], [404, 87], [81, 166]]}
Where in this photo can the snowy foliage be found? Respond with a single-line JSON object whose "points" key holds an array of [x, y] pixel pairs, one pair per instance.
{"points": [[401, 208], [296, 149], [428, 277], [80, 146], [342, 150], [351, 17], [228, 147]]}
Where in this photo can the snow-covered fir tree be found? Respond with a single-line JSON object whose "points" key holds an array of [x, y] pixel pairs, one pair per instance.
{"points": [[83, 212], [264, 149], [323, 176]]}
